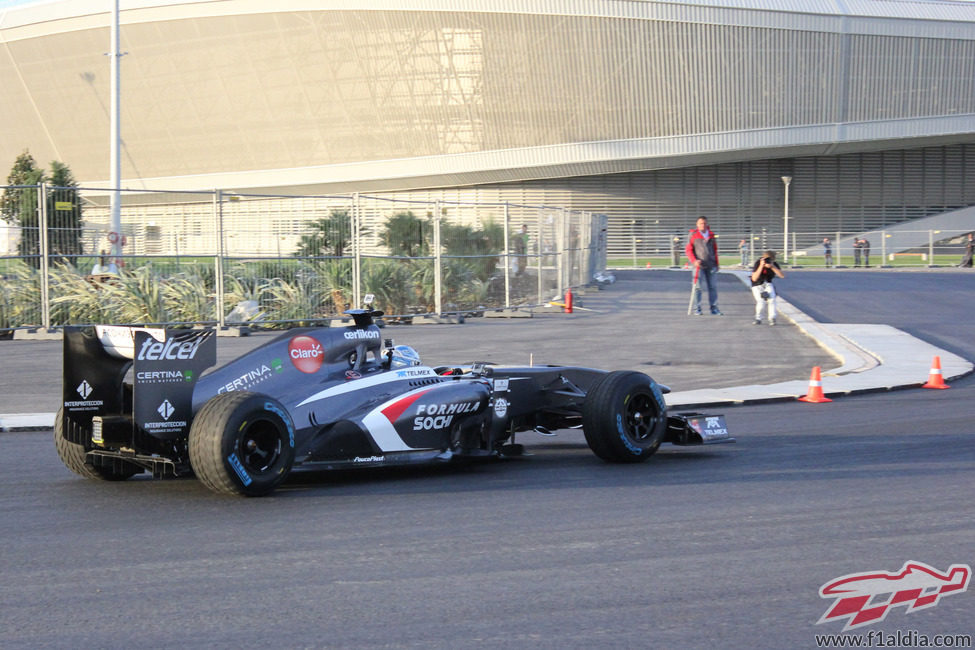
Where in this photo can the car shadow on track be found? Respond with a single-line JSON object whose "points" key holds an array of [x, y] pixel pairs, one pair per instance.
{"points": [[568, 464], [815, 458]]}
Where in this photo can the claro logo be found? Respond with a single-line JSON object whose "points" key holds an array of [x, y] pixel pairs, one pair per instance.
{"points": [[306, 354]]}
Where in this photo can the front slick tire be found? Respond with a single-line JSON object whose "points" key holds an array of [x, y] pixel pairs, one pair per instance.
{"points": [[624, 417], [242, 443]]}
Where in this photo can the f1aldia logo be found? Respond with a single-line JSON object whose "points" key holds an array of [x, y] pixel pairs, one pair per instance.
{"points": [[306, 354], [865, 598]]}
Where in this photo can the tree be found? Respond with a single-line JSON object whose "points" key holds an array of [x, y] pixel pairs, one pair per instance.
{"points": [[19, 206], [331, 236], [408, 235], [479, 247], [19, 201], [63, 214]]}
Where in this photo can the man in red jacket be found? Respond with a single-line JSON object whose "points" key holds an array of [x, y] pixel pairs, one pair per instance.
{"points": [[702, 251]]}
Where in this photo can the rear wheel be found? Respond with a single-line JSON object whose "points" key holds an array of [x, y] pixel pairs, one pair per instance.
{"points": [[75, 457], [242, 443], [624, 417]]}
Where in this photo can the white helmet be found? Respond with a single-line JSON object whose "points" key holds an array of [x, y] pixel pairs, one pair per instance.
{"points": [[404, 356]]}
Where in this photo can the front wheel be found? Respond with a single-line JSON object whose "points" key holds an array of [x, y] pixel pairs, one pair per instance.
{"points": [[242, 443], [624, 417]]}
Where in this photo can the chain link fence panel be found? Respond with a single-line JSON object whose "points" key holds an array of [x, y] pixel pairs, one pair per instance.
{"points": [[876, 249], [231, 258]]}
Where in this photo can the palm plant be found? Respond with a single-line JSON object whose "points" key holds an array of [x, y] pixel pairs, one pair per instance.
{"points": [[423, 275], [18, 297], [138, 297], [301, 300], [241, 283], [336, 278], [77, 299], [479, 248], [187, 299], [330, 235], [407, 235], [392, 284], [461, 285]]}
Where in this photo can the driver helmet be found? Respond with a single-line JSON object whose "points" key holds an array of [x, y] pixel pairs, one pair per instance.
{"points": [[404, 356]]}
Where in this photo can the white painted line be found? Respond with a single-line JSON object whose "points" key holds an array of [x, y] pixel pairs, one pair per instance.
{"points": [[27, 421]]}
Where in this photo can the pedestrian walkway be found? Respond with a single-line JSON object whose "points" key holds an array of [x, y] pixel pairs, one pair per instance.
{"points": [[870, 357]]}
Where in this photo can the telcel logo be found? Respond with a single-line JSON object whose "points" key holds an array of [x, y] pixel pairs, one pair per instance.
{"points": [[153, 350], [306, 354]]}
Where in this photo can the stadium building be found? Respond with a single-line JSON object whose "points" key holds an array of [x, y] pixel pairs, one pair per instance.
{"points": [[651, 112]]}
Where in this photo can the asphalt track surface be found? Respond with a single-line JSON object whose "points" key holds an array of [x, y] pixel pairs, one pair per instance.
{"points": [[725, 546]]}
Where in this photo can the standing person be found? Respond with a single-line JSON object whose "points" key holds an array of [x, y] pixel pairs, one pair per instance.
{"points": [[573, 247], [856, 252], [675, 252], [764, 271], [520, 241], [702, 251], [865, 246], [828, 252], [966, 260], [743, 249]]}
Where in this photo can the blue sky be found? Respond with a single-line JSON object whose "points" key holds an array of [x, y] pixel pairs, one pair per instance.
{"points": [[14, 3]]}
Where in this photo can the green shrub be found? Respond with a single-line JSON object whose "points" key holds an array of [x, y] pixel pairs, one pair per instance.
{"points": [[392, 283], [19, 296]]}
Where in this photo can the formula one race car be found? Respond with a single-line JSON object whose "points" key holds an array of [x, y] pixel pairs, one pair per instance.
{"points": [[328, 398]]}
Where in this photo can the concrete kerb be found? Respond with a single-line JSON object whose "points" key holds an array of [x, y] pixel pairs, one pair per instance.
{"points": [[872, 358], [27, 422]]}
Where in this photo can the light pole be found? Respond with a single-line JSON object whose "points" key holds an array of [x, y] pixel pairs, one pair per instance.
{"points": [[115, 172], [785, 221]]}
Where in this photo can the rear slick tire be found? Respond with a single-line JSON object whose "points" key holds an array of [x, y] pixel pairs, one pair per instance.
{"points": [[624, 417], [75, 458], [242, 443]]}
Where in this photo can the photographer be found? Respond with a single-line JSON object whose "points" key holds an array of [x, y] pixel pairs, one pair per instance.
{"points": [[763, 272]]}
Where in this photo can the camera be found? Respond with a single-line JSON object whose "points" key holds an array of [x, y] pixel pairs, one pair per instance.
{"points": [[765, 295]]}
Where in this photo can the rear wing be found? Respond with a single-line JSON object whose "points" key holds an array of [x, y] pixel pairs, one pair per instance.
{"points": [[165, 364]]}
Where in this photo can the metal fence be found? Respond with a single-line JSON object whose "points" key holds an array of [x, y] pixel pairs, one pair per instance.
{"points": [[229, 258], [894, 248]]}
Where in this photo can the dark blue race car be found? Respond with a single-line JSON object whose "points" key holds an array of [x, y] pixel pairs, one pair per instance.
{"points": [[137, 399]]}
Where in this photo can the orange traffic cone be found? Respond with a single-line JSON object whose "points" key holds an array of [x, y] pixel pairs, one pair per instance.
{"points": [[815, 394], [935, 379]]}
